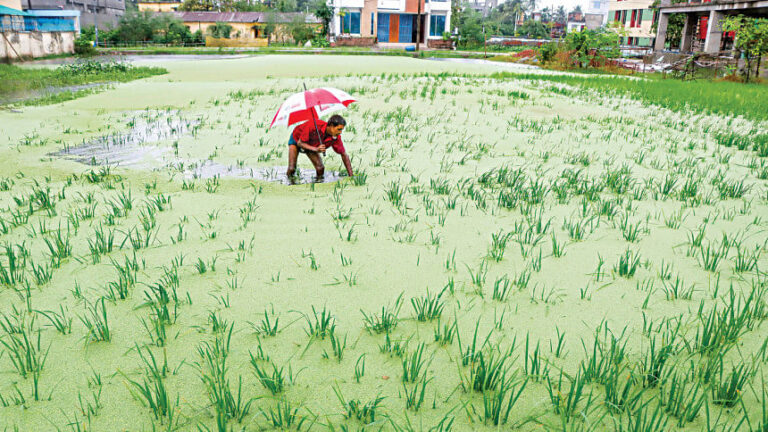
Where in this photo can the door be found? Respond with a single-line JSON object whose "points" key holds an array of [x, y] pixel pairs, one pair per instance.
{"points": [[394, 26], [406, 28], [382, 27]]}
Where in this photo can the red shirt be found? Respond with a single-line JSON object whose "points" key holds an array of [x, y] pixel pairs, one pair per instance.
{"points": [[306, 132]]}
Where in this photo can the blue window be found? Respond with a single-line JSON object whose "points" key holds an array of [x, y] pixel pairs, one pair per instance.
{"points": [[382, 29], [436, 25], [406, 29], [350, 23], [372, 25]]}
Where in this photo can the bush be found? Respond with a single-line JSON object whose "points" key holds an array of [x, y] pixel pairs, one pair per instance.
{"points": [[84, 46], [220, 30], [547, 52]]}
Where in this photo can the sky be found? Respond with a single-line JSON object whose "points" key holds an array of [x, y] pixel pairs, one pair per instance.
{"points": [[554, 4]]}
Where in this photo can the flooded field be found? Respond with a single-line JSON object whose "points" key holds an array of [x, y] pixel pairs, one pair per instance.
{"points": [[512, 254]]}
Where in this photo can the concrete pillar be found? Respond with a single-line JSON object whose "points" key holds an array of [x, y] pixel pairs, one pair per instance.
{"points": [[689, 28], [661, 31], [714, 32]]}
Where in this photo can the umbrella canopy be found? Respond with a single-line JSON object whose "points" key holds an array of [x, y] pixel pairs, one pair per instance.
{"points": [[310, 105]]}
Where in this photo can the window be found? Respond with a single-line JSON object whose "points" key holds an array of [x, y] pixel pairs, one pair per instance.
{"points": [[436, 25], [639, 20], [595, 5], [632, 21], [372, 26], [617, 16], [624, 16], [350, 22]]}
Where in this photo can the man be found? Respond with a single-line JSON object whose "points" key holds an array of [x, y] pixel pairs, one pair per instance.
{"points": [[304, 139]]}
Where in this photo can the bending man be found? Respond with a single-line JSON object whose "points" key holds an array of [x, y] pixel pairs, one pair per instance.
{"points": [[304, 139]]}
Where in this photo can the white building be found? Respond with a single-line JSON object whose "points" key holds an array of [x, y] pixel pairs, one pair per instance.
{"points": [[598, 7], [390, 21]]}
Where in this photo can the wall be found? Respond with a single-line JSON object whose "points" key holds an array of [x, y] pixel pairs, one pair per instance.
{"points": [[13, 4], [36, 44], [107, 12], [354, 41], [644, 30], [159, 6], [241, 42]]}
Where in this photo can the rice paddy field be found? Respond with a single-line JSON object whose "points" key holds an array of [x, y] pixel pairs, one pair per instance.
{"points": [[515, 252]]}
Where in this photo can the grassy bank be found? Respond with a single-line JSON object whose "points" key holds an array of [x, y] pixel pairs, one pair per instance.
{"points": [[18, 81], [703, 96]]}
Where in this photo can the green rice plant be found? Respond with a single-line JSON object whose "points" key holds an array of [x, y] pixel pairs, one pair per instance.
{"points": [[59, 248], [360, 368], [212, 368], [558, 249], [732, 189], [96, 322], [266, 327], [444, 334], [501, 288], [414, 363], [398, 348], [681, 399], [676, 289], [395, 194], [360, 178], [42, 273], [627, 265], [630, 232], [386, 321], [355, 408], [727, 390], [495, 411], [285, 416], [643, 419], [565, 400], [102, 242], [414, 396], [653, 362], [621, 392], [577, 229], [745, 261], [61, 321], [710, 256], [488, 371], [478, 277], [338, 346], [322, 325], [498, 245], [428, 307], [274, 380], [151, 391]]}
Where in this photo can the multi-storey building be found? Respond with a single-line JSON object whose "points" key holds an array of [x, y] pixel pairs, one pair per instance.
{"points": [[636, 16], [102, 13], [392, 21]]}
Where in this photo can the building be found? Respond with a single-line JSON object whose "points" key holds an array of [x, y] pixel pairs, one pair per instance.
{"points": [[159, 6], [390, 22], [483, 6], [636, 16], [575, 23], [702, 22], [35, 33], [249, 25], [100, 13], [595, 9]]}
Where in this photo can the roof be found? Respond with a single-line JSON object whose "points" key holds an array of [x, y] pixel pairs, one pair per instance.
{"points": [[244, 17], [48, 13], [159, 1], [5, 10]]}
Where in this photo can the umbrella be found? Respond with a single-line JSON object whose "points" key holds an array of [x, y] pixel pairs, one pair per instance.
{"points": [[311, 105]]}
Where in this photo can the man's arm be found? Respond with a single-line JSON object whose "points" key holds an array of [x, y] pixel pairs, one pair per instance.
{"points": [[308, 147], [347, 164]]}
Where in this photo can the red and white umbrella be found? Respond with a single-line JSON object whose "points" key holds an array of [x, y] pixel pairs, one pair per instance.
{"points": [[311, 105]]}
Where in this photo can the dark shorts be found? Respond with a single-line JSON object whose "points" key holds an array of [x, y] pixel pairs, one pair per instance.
{"points": [[292, 142]]}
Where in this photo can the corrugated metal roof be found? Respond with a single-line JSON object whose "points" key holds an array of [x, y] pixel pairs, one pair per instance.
{"points": [[5, 10], [244, 17]]}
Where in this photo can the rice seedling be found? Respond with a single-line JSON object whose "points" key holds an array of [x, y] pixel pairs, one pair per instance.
{"points": [[627, 265], [61, 320], [365, 412], [360, 368], [96, 322], [386, 321], [274, 381], [478, 277], [495, 411], [266, 326], [321, 325], [710, 256], [728, 389], [681, 399], [285, 416], [565, 400], [151, 391], [428, 307], [498, 245], [414, 396], [338, 346], [414, 363]]}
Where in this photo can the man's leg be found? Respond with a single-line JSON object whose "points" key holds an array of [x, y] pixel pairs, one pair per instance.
{"points": [[317, 161], [293, 155]]}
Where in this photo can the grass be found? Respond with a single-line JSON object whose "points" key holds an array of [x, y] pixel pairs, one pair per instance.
{"points": [[18, 80]]}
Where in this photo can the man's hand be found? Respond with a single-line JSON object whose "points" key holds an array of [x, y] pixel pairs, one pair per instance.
{"points": [[321, 148]]}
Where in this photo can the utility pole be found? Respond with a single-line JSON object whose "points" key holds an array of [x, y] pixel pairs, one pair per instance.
{"points": [[485, 44], [418, 25]]}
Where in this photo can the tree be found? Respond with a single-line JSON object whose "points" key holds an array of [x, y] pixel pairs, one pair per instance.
{"points": [[576, 10], [301, 32], [560, 16], [197, 5], [324, 13], [675, 24], [220, 30], [751, 40], [534, 29], [591, 48]]}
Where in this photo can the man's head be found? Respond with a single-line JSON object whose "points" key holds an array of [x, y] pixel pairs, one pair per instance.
{"points": [[335, 125]]}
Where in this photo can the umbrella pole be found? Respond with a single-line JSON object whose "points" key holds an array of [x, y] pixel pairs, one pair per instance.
{"points": [[312, 114]]}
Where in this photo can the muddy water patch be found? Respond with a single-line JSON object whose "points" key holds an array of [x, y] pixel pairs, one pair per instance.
{"points": [[209, 169]]}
